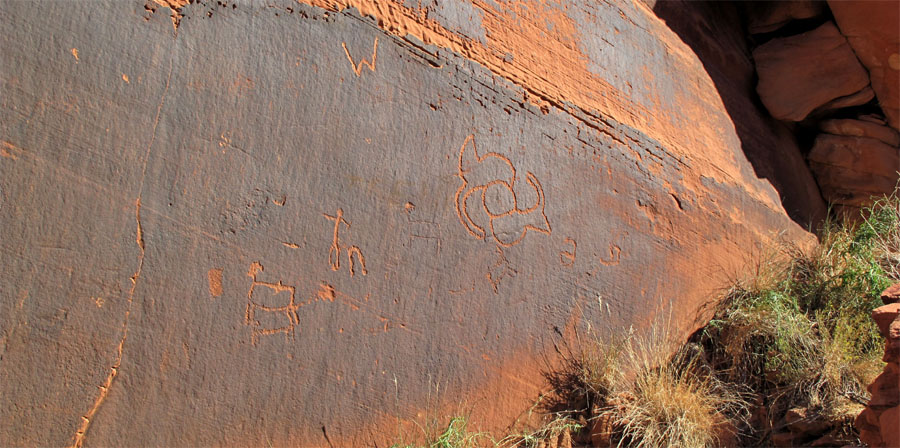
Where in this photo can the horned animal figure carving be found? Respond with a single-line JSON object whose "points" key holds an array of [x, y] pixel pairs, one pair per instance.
{"points": [[488, 202]]}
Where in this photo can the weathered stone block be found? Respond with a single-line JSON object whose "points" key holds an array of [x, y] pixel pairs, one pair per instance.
{"points": [[801, 73]]}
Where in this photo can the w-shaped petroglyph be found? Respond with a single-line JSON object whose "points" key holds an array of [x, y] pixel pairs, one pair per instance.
{"points": [[271, 307], [357, 67], [489, 201]]}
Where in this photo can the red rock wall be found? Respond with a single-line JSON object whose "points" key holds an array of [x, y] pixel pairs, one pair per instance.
{"points": [[311, 224]]}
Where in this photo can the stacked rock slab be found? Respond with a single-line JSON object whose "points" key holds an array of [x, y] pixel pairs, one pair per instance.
{"points": [[879, 423], [769, 16], [809, 71], [854, 160], [819, 74], [310, 223]]}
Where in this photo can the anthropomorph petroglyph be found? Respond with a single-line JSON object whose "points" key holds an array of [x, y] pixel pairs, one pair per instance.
{"points": [[489, 202], [271, 307], [335, 251]]}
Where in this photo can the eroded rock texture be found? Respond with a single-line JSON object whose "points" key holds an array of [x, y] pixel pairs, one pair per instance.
{"points": [[311, 223], [851, 169], [769, 16], [879, 423]]}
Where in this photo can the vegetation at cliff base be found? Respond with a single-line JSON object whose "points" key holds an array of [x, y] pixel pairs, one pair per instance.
{"points": [[798, 333]]}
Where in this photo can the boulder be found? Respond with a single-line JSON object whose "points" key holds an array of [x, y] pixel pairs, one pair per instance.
{"points": [[861, 128], [768, 16], [800, 422], [873, 30], [850, 170], [884, 316], [316, 222], [800, 73], [891, 295]]}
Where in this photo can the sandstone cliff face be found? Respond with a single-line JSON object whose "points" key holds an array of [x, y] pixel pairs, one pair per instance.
{"points": [[715, 32], [304, 222]]}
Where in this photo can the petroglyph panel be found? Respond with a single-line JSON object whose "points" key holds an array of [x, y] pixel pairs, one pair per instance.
{"points": [[334, 220]]}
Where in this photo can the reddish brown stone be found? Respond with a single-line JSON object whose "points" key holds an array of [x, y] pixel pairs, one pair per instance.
{"points": [[862, 97], [601, 431], [861, 128], [786, 439], [850, 170], [829, 440], [885, 389], [891, 295], [798, 74], [867, 425], [768, 16], [889, 422], [873, 30], [879, 423], [884, 316]]}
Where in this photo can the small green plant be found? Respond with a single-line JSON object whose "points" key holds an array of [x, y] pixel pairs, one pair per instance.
{"points": [[455, 435]]}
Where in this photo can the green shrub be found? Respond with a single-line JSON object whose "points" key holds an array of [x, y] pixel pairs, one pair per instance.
{"points": [[798, 331]]}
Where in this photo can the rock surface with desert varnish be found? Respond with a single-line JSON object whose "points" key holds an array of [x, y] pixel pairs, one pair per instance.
{"points": [[310, 223]]}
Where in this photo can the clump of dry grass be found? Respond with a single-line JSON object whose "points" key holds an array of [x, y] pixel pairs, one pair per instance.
{"points": [[882, 224], [556, 432], [654, 399], [674, 405]]}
